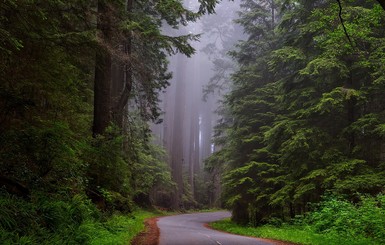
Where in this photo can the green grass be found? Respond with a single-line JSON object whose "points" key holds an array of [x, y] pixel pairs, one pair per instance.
{"points": [[74, 220], [119, 229], [290, 233]]}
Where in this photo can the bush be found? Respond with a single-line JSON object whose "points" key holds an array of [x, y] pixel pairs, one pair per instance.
{"points": [[44, 220], [363, 219]]}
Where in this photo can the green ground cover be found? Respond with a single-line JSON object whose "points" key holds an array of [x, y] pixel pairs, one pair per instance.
{"points": [[335, 220], [71, 221], [289, 233], [119, 229]]}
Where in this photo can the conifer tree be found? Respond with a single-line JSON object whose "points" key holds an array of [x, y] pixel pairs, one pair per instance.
{"points": [[306, 108]]}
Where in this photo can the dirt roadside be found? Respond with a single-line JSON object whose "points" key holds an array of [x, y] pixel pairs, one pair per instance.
{"points": [[150, 235]]}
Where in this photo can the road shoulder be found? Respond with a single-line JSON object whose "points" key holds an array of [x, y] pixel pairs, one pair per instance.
{"points": [[150, 235]]}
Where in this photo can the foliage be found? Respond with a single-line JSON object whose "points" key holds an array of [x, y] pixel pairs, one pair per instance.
{"points": [[46, 220], [304, 114], [58, 220], [289, 233], [108, 171], [54, 174], [39, 156], [351, 220], [119, 229], [334, 220], [153, 176]]}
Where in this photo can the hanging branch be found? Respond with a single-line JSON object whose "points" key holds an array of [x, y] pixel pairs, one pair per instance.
{"points": [[342, 23]]}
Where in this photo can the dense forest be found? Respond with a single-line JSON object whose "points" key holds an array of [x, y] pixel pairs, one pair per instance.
{"points": [[79, 82], [300, 89], [304, 116]]}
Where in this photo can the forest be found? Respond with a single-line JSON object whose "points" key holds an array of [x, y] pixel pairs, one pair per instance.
{"points": [[273, 109]]}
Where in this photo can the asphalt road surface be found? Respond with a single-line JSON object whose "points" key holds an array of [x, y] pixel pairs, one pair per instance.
{"points": [[189, 229]]}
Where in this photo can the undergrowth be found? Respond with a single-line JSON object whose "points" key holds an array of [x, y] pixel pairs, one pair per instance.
{"points": [[333, 221], [76, 220]]}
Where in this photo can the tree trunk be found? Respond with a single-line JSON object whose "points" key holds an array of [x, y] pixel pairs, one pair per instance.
{"points": [[102, 86], [194, 149], [125, 86], [272, 14], [177, 157], [118, 82], [351, 104], [112, 89]]}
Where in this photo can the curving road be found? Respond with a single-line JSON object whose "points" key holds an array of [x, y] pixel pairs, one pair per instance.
{"points": [[189, 229]]}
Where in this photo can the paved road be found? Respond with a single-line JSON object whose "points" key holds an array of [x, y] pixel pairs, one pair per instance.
{"points": [[189, 229]]}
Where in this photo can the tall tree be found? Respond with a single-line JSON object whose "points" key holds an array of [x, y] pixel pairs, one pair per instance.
{"points": [[44, 95], [137, 24], [302, 108]]}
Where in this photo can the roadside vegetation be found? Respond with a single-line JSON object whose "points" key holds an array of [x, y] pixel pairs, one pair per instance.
{"points": [[73, 220], [120, 229], [333, 221]]}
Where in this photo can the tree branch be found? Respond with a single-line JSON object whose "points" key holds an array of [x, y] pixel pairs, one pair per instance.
{"points": [[342, 23]]}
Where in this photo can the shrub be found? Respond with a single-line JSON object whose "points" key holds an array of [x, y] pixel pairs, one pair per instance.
{"points": [[363, 219], [45, 219]]}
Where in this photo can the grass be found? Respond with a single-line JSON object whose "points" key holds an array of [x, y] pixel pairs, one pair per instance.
{"points": [[290, 233], [116, 230], [119, 229], [74, 220]]}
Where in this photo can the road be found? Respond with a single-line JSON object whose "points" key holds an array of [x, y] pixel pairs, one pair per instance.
{"points": [[189, 229]]}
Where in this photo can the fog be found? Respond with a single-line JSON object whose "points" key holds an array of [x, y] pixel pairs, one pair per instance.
{"points": [[190, 102]]}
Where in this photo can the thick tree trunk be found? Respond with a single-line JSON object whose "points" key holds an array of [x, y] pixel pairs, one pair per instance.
{"points": [[177, 157], [206, 128], [123, 85], [118, 81], [102, 86], [194, 149], [113, 80]]}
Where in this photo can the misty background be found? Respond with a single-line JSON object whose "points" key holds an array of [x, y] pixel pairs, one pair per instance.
{"points": [[190, 103]]}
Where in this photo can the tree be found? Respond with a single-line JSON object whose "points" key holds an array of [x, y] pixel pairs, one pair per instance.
{"points": [[46, 86], [44, 89], [302, 110], [249, 97], [138, 26]]}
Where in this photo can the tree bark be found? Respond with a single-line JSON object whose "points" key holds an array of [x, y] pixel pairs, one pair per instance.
{"points": [[124, 84], [122, 88], [177, 157], [112, 90], [102, 85], [194, 148]]}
